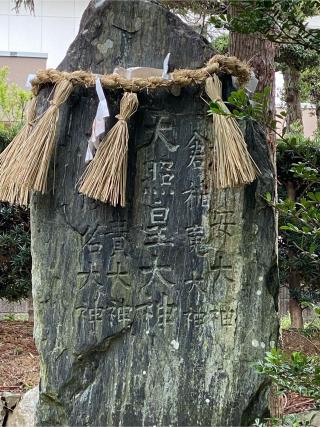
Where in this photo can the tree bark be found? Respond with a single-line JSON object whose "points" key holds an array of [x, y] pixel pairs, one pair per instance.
{"points": [[294, 305], [294, 281], [30, 309], [292, 96], [260, 54], [318, 116]]}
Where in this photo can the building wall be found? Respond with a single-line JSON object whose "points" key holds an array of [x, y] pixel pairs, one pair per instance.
{"points": [[21, 66], [309, 121], [308, 118], [17, 309], [50, 30]]}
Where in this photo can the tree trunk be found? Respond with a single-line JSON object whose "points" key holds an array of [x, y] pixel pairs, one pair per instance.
{"points": [[295, 309], [260, 54], [318, 116], [30, 309], [292, 96], [294, 281]]}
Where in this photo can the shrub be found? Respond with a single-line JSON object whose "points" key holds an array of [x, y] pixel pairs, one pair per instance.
{"points": [[15, 257], [298, 373]]}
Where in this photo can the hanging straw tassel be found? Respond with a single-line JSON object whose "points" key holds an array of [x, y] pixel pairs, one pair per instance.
{"points": [[106, 176], [32, 163], [9, 192], [23, 133], [232, 164]]}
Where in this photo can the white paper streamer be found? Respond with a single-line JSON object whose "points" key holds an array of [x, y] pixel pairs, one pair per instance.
{"points": [[165, 74], [313, 23], [252, 84], [98, 125], [250, 87], [28, 84]]}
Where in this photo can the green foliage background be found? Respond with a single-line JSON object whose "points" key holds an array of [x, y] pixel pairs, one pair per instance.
{"points": [[15, 256], [298, 163]]}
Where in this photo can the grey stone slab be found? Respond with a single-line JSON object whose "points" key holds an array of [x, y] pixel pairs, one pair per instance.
{"points": [[151, 314]]}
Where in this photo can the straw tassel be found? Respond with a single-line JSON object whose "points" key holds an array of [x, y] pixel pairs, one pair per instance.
{"points": [[32, 162], [232, 164], [9, 192], [106, 176]]}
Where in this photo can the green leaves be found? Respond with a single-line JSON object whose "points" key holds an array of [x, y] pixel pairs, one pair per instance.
{"points": [[216, 108], [238, 98], [296, 372], [305, 172], [221, 43], [314, 196], [298, 166], [282, 22], [268, 197], [15, 257], [290, 227], [13, 100], [241, 107], [298, 359]]}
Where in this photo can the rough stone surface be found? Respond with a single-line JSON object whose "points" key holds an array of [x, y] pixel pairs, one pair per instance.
{"points": [[152, 314], [8, 401], [308, 418], [24, 413], [3, 412]]}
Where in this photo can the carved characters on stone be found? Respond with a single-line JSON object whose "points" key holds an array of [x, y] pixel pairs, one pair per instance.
{"points": [[150, 296]]}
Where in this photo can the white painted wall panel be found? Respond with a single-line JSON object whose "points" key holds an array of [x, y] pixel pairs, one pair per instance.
{"points": [[4, 7], [51, 30], [4, 36], [25, 33], [57, 35], [80, 6], [58, 8]]}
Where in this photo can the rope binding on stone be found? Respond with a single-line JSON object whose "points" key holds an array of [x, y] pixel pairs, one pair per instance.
{"points": [[25, 163], [106, 176], [183, 77]]}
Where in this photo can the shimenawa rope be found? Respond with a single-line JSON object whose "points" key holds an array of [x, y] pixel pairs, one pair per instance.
{"points": [[9, 191], [182, 78], [24, 164], [232, 164], [32, 162], [106, 176]]}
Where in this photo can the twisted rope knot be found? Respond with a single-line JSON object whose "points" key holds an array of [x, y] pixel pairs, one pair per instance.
{"points": [[53, 103], [180, 77], [121, 118]]}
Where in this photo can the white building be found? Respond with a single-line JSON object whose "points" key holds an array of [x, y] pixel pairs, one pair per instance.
{"points": [[29, 42]]}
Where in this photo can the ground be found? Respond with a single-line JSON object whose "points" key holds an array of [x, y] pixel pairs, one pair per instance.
{"points": [[19, 360], [294, 341]]}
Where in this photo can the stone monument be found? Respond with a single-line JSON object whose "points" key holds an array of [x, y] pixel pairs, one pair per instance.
{"points": [[151, 314]]}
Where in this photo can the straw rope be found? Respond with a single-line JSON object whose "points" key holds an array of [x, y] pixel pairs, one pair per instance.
{"points": [[232, 164], [32, 162], [106, 176], [25, 163], [182, 78], [9, 191]]}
